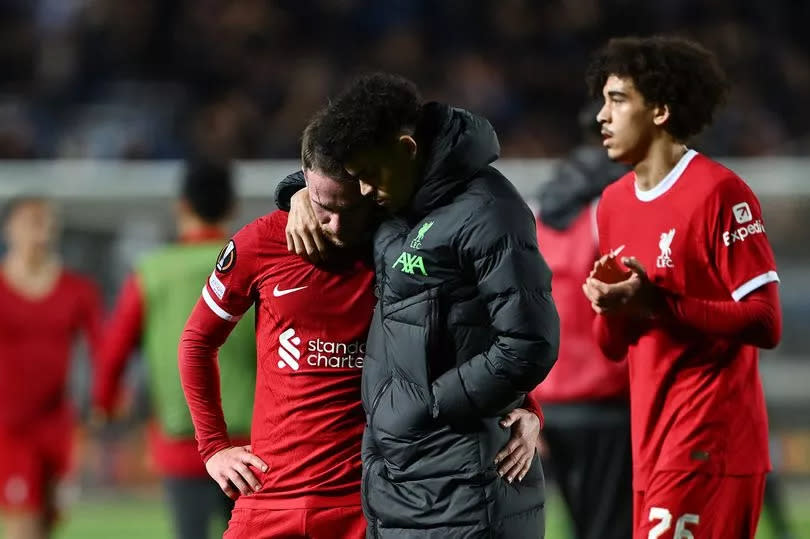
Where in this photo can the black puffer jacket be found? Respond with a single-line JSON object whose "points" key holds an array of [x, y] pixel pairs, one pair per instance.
{"points": [[465, 326]]}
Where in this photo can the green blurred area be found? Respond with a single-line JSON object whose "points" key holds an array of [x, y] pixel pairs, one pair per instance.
{"points": [[124, 517]]}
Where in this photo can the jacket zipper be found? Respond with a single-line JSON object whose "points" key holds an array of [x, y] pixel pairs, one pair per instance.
{"points": [[376, 401], [372, 519], [433, 322], [372, 524]]}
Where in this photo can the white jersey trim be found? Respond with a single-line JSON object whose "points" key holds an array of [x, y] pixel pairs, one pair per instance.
{"points": [[219, 311], [753, 284], [668, 181]]}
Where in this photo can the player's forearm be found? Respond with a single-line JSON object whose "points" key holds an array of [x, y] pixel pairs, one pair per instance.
{"points": [[199, 374], [612, 333], [756, 320], [93, 328], [109, 369], [121, 336], [200, 378]]}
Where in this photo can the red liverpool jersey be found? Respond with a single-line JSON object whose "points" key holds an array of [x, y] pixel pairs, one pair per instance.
{"points": [[696, 400], [36, 339], [311, 327]]}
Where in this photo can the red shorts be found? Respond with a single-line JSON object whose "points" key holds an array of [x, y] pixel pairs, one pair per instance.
{"points": [[315, 523], [682, 505], [30, 466]]}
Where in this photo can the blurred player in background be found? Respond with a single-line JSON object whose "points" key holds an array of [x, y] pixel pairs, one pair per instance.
{"points": [[301, 477], [150, 313], [698, 299], [585, 396], [43, 309]]}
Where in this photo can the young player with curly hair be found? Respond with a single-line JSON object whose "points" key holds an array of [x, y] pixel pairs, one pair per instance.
{"points": [[698, 300]]}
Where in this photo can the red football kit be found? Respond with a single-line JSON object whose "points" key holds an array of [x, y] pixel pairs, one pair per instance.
{"points": [[36, 417], [311, 327], [699, 422]]}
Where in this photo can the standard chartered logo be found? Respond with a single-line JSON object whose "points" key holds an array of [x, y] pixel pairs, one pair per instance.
{"points": [[320, 353], [288, 342]]}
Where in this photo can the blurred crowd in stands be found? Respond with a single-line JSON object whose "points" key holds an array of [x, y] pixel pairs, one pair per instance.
{"points": [[238, 79]]}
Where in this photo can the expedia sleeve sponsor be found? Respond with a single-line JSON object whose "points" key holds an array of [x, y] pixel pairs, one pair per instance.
{"points": [[738, 246], [742, 233]]}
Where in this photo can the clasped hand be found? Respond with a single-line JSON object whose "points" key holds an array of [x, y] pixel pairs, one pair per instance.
{"points": [[610, 289]]}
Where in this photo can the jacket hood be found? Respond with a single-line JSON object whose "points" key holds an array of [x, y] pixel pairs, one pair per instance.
{"points": [[459, 144], [575, 183]]}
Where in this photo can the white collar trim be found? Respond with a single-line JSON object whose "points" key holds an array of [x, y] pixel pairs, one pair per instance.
{"points": [[668, 181]]}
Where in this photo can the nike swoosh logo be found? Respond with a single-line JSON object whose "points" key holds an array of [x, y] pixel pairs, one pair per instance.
{"points": [[278, 292]]}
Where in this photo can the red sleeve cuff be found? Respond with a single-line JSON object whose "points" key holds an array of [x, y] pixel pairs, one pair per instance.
{"points": [[213, 447], [531, 404]]}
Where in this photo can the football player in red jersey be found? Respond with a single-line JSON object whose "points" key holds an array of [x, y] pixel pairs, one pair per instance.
{"points": [[300, 477], [43, 309], [700, 298]]}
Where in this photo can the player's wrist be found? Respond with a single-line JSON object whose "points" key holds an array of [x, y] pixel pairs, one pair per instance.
{"points": [[211, 449], [650, 303]]}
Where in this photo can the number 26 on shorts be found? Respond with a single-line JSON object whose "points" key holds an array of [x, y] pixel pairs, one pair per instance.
{"points": [[665, 522]]}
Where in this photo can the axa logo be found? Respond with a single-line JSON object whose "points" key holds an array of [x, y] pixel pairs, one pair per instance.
{"points": [[664, 260], [320, 353], [288, 343], [416, 243], [409, 263], [743, 233], [742, 212]]}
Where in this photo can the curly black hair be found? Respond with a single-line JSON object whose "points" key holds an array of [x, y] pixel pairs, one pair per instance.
{"points": [[208, 188], [668, 71], [370, 113]]}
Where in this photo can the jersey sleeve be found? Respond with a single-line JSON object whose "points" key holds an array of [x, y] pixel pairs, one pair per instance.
{"points": [[738, 243], [230, 289], [122, 335]]}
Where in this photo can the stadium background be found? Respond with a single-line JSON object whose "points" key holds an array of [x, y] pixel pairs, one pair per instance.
{"points": [[100, 100]]}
